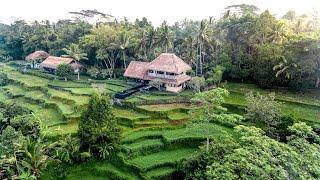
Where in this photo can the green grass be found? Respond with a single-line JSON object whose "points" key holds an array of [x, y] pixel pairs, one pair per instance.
{"points": [[151, 122], [305, 111], [26, 80], [3, 96], [302, 112], [100, 170], [115, 88], [178, 116], [129, 114], [68, 84], [70, 127], [14, 90], [144, 144], [164, 107], [163, 172], [162, 158], [81, 91], [77, 99], [311, 97], [195, 133], [134, 136]]}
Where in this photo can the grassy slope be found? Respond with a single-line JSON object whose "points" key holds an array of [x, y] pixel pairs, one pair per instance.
{"points": [[304, 106]]}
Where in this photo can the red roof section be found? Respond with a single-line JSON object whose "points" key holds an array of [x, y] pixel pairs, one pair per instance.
{"points": [[169, 63], [53, 62], [136, 69]]}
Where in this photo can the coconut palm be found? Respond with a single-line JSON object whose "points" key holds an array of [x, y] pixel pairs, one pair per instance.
{"points": [[142, 44], [202, 38], [123, 44], [75, 52], [35, 157], [165, 36], [152, 40], [189, 46], [283, 67]]}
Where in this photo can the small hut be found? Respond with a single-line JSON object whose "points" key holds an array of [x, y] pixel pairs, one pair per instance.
{"points": [[52, 62], [34, 59]]}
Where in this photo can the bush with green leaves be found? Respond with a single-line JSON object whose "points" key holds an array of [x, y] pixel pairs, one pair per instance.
{"points": [[265, 110], [260, 157], [28, 125], [196, 83], [215, 77], [64, 71], [98, 129], [3, 79], [97, 73]]}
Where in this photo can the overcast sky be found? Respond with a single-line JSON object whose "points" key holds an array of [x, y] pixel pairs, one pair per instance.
{"points": [[154, 10]]}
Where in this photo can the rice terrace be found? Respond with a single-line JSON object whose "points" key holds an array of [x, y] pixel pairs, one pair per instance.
{"points": [[96, 96]]}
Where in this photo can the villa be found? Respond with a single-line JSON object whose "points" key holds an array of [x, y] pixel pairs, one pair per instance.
{"points": [[168, 68]]}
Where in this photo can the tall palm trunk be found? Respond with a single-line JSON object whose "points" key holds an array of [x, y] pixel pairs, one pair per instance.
{"points": [[318, 82], [200, 60], [124, 59], [78, 75]]}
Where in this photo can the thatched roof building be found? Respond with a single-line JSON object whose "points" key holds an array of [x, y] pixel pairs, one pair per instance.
{"points": [[37, 56], [52, 63], [169, 63], [169, 68]]}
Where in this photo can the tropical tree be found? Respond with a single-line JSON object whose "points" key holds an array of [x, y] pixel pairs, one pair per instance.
{"points": [[165, 36], [196, 83], [98, 129], [75, 52], [265, 110], [64, 70], [284, 68], [123, 43], [208, 109], [202, 39]]}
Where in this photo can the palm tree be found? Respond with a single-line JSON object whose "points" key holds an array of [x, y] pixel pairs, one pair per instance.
{"points": [[189, 47], [75, 52], [202, 38], [152, 40], [284, 67], [123, 43], [142, 44], [165, 36], [35, 158]]}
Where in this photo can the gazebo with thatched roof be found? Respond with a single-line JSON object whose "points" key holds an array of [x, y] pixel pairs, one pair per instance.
{"points": [[36, 58]]}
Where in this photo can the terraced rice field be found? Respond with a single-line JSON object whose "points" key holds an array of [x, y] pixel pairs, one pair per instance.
{"points": [[155, 137]]}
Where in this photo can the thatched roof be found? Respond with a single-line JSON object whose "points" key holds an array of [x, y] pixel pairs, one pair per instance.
{"points": [[165, 62], [52, 62], [136, 69], [169, 63], [37, 55]]}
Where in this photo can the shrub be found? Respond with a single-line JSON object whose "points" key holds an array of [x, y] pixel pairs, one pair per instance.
{"points": [[196, 83], [98, 129], [3, 79], [64, 70]]}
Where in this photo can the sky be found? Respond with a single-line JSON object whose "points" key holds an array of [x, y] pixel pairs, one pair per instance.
{"points": [[155, 10]]}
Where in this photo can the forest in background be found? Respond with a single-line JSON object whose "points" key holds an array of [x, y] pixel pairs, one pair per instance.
{"points": [[244, 44]]}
